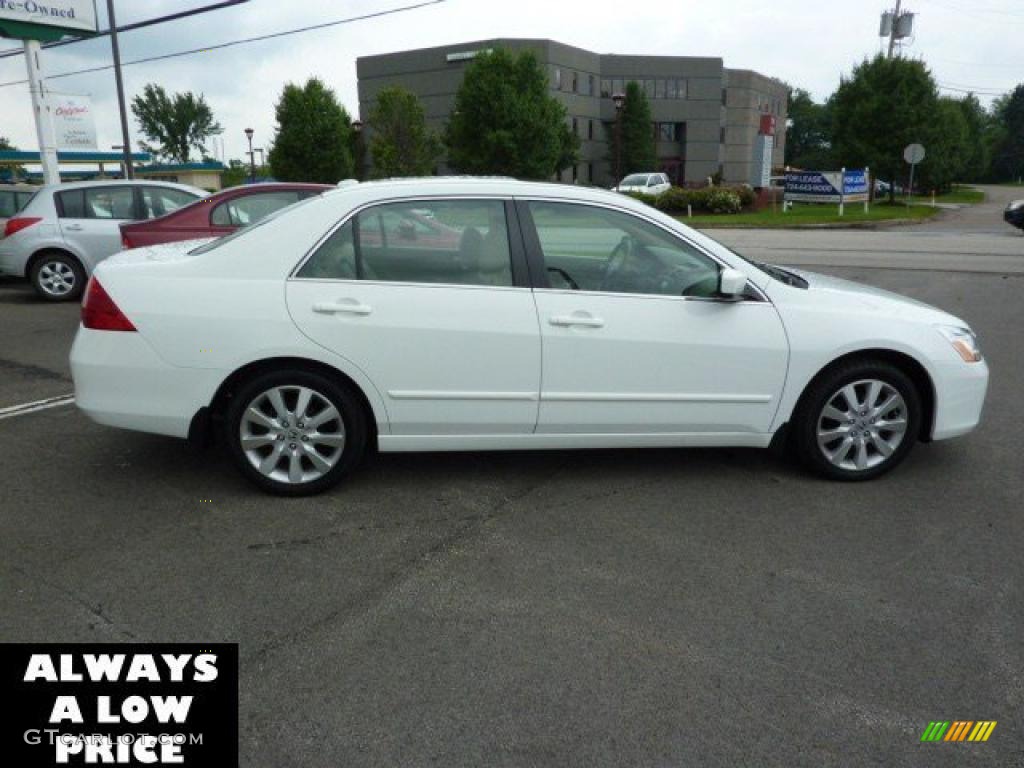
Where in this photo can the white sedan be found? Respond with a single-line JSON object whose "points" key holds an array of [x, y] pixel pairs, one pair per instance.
{"points": [[488, 314]]}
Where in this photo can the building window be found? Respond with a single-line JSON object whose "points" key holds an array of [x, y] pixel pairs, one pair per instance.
{"points": [[681, 89], [558, 79], [721, 135], [659, 88], [606, 88], [590, 85], [666, 131], [575, 173], [575, 127], [649, 88], [575, 82], [590, 172], [618, 86], [590, 130], [725, 94]]}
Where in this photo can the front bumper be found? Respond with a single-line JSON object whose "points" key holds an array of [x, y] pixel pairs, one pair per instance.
{"points": [[120, 381], [960, 390], [1014, 217]]}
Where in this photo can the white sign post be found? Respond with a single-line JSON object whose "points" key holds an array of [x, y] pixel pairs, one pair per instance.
{"points": [[32, 22], [913, 154]]}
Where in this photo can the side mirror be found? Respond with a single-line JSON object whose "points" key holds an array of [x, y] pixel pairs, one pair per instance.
{"points": [[731, 283]]}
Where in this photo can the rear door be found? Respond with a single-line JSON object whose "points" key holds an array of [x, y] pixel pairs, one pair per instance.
{"points": [[90, 219], [431, 299]]}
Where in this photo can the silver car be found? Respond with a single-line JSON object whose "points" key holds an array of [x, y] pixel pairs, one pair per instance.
{"points": [[13, 197], [65, 230]]}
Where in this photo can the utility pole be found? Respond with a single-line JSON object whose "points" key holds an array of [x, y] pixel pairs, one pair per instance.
{"points": [[892, 34], [129, 171], [44, 118]]}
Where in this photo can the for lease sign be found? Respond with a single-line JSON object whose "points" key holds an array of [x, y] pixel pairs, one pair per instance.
{"points": [[60, 14]]}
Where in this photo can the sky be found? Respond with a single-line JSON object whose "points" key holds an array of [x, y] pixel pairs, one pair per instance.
{"points": [[807, 43]]}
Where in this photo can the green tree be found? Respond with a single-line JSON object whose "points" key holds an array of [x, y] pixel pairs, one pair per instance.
{"points": [[505, 121], [883, 106], [978, 159], [10, 171], [948, 147], [638, 149], [313, 138], [809, 138], [174, 125], [1008, 139], [400, 142]]}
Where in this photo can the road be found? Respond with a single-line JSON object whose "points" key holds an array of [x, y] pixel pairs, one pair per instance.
{"points": [[607, 608]]}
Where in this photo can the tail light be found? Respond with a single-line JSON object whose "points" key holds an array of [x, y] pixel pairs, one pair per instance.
{"points": [[19, 223], [100, 313]]}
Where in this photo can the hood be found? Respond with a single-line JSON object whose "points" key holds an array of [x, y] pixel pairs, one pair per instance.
{"points": [[163, 253], [873, 299]]}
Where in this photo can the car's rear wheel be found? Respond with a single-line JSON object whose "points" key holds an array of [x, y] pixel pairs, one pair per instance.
{"points": [[296, 432], [57, 276], [858, 421]]}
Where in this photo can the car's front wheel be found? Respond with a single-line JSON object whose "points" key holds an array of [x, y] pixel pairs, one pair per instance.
{"points": [[296, 432], [858, 421], [58, 276]]}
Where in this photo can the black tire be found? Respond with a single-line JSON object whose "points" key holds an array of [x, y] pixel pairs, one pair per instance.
{"points": [[47, 265], [820, 393], [337, 394]]}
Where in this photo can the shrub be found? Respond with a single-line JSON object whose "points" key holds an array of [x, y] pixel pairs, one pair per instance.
{"points": [[643, 197], [673, 200], [723, 201]]}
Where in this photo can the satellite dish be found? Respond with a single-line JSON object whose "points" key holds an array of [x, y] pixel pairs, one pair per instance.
{"points": [[913, 153]]}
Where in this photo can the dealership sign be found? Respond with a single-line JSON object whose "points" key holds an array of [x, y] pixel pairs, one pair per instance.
{"points": [[47, 19], [827, 186], [73, 122]]}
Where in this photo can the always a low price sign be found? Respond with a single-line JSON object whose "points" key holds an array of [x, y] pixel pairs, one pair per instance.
{"points": [[119, 704]]}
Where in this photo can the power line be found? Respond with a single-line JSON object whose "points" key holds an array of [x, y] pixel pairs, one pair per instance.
{"points": [[242, 41]]}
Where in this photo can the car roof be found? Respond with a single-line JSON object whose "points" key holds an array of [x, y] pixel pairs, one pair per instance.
{"points": [[116, 183], [272, 186], [497, 186]]}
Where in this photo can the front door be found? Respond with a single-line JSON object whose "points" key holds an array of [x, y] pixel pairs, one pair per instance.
{"points": [[635, 340], [424, 298]]}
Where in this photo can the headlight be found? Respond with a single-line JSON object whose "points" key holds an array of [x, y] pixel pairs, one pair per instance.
{"points": [[963, 340]]}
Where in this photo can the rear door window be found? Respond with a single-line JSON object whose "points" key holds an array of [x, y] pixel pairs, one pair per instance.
{"points": [[159, 201], [8, 204]]}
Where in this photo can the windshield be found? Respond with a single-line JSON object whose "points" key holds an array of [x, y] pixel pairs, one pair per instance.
{"points": [[635, 180], [243, 231]]}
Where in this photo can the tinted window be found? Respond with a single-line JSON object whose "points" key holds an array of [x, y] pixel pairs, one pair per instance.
{"points": [[71, 204], [596, 249], [159, 201], [335, 259], [109, 203], [461, 242], [24, 198], [246, 210], [8, 204]]}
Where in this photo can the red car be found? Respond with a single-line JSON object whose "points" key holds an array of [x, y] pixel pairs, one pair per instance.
{"points": [[217, 215]]}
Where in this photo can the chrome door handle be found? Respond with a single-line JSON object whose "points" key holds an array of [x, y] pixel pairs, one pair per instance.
{"points": [[73, 227], [567, 321], [346, 307]]}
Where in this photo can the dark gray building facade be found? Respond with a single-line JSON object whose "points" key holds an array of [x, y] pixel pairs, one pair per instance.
{"points": [[707, 118]]}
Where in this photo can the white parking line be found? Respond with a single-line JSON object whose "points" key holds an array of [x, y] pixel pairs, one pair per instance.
{"points": [[38, 405]]}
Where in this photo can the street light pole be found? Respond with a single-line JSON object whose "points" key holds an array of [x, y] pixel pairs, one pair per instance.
{"points": [[252, 157], [619, 99], [129, 171]]}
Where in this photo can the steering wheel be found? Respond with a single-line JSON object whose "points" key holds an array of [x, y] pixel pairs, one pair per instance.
{"points": [[616, 262], [565, 276]]}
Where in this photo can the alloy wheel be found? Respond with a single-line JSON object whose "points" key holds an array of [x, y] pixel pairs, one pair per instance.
{"points": [[862, 425], [56, 278], [292, 434]]}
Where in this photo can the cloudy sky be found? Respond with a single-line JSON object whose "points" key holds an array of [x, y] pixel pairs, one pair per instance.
{"points": [[969, 44]]}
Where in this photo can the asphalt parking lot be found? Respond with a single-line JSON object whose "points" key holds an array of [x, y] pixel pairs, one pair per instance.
{"points": [[663, 608]]}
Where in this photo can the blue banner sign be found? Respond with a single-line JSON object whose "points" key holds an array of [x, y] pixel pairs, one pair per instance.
{"points": [[826, 186]]}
